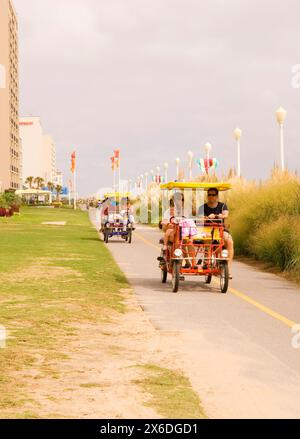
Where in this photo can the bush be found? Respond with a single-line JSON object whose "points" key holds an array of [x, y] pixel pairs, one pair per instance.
{"points": [[265, 220], [57, 204], [278, 243], [9, 201]]}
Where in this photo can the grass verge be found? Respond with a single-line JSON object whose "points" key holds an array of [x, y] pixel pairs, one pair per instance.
{"points": [[171, 393], [52, 279]]}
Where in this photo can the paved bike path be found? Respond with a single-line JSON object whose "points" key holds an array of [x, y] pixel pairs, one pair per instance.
{"points": [[236, 348]]}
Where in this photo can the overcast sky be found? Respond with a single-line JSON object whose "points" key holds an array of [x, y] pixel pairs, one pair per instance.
{"points": [[157, 78]]}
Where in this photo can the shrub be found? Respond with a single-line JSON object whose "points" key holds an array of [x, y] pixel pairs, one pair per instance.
{"points": [[10, 200], [265, 220]]}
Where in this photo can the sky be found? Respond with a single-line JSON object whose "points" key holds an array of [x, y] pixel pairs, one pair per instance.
{"points": [[157, 78]]}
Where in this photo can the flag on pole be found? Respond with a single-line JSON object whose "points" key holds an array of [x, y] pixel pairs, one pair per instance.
{"points": [[112, 163], [117, 158], [73, 162], [206, 164]]}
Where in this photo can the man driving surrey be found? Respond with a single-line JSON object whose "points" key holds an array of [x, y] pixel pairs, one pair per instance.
{"points": [[214, 209]]}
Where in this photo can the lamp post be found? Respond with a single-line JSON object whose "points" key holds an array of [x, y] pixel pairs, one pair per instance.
{"points": [[158, 174], [146, 177], [166, 166], [177, 168], [142, 182], [280, 116], [152, 175], [238, 134], [191, 156], [139, 184], [207, 149]]}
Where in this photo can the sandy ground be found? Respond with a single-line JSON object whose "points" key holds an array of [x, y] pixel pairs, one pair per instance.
{"points": [[97, 381], [239, 359]]}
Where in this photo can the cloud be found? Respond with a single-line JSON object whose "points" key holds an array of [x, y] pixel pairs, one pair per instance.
{"points": [[159, 77]]}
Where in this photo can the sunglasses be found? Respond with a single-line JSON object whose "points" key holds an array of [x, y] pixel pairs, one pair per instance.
{"points": [[212, 195]]}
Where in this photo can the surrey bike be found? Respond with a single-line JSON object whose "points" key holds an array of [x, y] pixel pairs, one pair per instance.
{"points": [[198, 245]]}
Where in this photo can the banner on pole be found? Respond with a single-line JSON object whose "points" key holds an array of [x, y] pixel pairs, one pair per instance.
{"points": [[73, 162], [112, 163], [117, 158]]}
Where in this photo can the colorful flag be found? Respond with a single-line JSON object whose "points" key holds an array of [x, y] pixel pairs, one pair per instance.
{"points": [[73, 162], [112, 163], [206, 164], [117, 158]]}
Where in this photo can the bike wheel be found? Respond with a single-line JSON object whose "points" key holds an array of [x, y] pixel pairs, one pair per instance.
{"points": [[175, 276], [208, 279], [164, 275], [224, 277], [130, 237]]}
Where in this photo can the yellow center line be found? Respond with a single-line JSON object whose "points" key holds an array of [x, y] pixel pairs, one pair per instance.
{"points": [[248, 299], [146, 241], [263, 308]]}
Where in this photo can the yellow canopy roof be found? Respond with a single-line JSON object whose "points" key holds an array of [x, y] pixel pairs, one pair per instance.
{"points": [[196, 185], [118, 195]]}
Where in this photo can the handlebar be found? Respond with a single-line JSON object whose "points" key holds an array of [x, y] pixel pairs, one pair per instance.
{"points": [[207, 218]]}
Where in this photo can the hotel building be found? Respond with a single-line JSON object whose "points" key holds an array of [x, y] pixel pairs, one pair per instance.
{"points": [[10, 145]]}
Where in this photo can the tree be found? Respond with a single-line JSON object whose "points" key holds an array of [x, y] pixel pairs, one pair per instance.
{"points": [[29, 181], [58, 190], [50, 186], [39, 182]]}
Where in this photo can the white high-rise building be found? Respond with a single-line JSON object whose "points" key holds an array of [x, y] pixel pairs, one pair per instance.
{"points": [[58, 178], [10, 146], [49, 155], [38, 150]]}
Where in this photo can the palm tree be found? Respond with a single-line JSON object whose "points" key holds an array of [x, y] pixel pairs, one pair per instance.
{"points": [[58, 189], [50, 186], [29, 181], [39, 182]]}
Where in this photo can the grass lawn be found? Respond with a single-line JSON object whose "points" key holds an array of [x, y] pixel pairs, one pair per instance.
{"points": [[171, 393], [52, 277], [54, 280]]}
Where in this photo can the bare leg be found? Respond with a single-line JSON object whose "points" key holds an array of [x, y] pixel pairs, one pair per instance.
{"points": [[169, 237], [229, 245], [189, 253]]}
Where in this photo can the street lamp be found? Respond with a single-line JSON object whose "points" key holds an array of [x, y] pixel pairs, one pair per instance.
{"points": [[191, 156], [166, 166], [207, 149], [158, 174], [177, 167], [152, 175], [146, 176], [238, 134], [143, 181], [280, 116]]}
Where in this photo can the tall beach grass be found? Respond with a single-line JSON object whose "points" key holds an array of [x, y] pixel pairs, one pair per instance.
{"points": [[265, 220]]}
